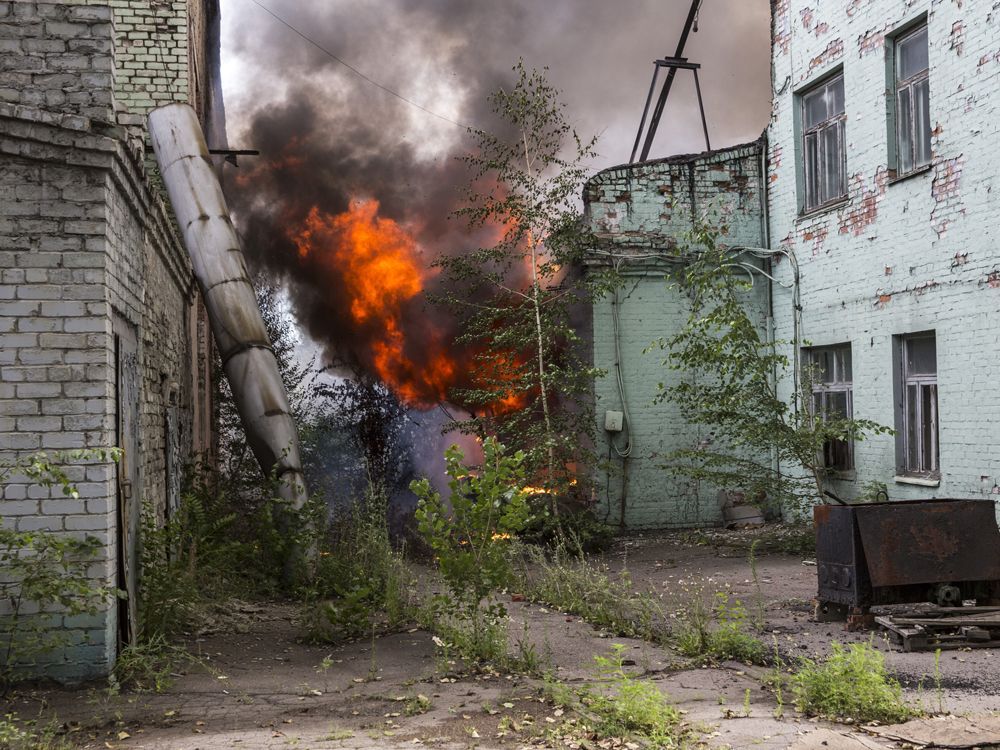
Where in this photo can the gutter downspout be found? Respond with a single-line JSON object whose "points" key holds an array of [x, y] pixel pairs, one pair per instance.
{"points": [[220, 269], [766, 237]]}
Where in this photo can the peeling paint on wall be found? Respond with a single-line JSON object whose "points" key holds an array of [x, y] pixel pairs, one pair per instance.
{"points": [[863, 208]]}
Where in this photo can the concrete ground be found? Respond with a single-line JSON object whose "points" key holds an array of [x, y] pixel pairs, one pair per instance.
{"points": [[257, 685]]}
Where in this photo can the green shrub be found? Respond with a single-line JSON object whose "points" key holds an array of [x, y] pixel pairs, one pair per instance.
{"points": [[632, 709], [187, 560], [727, 640], [362, 583], [850, 683], [470, 541]]}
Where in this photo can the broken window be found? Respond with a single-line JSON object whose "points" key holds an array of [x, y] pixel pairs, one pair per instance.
{"points": [[832, 395], [913, 114], [823, 149], [919, 406]]}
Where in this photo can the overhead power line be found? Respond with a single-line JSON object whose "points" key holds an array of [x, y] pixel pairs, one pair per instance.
{"points": [[354, 70]]}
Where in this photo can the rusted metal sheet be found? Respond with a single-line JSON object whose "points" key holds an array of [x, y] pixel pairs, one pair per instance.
{"points": [[840, 558], [929, 541]]}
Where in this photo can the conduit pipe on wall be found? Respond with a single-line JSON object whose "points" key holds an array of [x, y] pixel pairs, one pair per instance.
{"points": [[221, 272]]}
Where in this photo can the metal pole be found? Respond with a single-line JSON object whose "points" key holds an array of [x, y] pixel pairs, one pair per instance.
{"points": [[645, 111], [701, 107], [658, 110]]}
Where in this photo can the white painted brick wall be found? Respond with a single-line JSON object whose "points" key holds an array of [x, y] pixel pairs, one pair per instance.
{"points": [[924, 255]]}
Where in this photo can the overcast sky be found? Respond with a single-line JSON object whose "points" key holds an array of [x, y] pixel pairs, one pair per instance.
{"points": [[448, 54]]}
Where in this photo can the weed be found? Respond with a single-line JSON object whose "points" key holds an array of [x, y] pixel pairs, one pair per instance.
{"points": [[727, 640], [147, 665], [361, 583], [418, 704], [576, 585], [633, 708], [851, 683], [21, 734], [746, 702]]}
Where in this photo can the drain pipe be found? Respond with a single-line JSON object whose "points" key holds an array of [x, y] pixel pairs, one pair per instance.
{"points": [[220, 269]]}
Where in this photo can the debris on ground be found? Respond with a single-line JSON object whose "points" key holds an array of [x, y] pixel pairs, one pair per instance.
{"points": [[928, 627]]}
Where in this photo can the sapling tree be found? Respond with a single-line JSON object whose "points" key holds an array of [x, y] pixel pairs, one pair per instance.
{"points": [[470, 531], [727, 378], [517, 296]]}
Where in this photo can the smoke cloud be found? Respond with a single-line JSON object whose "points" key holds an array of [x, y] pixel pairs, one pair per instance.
{"points": [[327, 137]]}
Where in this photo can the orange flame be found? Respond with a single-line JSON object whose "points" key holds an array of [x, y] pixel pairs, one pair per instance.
{"points": [[379, 263]]}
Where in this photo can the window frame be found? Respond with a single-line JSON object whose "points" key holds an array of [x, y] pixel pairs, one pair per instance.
{"points": [[839, 121], [823, 388], [919, 381], [910, 84]]}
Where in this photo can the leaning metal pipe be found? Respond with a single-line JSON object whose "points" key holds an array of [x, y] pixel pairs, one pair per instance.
{"points": [[221, 272]]}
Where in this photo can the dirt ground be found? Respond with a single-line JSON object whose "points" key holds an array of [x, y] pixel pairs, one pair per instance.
{"points": [[257, 685]]}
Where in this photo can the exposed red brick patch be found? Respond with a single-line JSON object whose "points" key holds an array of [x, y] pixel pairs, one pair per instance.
{"points": [[817, 236], [960, 259], [945, 190], [853, 6], [871, 41], [882, 299], [888, 270], [863, 208], [781, 31], [956, 38], [808, 18], [993, 279], [833, 50]]}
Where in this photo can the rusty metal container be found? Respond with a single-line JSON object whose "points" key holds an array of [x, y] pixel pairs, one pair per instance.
{"points": [[907, 551]]}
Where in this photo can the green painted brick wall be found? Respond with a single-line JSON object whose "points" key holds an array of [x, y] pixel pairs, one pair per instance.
{"points": [[641, 210]]}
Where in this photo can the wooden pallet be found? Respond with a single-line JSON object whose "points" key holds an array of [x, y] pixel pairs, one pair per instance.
{"points": [[928, 628]]}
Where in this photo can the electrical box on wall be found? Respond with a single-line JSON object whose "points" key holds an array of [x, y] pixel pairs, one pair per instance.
{"points": [[614, 421]]}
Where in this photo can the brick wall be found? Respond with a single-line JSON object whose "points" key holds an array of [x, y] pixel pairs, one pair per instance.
{"points": [[642, 210], [57, 57], [89, 251], [905, 256]]}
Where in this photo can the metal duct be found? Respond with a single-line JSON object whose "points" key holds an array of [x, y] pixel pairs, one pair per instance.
{"points": [[221, 272]]}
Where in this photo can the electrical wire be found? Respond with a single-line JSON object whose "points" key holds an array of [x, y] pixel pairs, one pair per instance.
{"points": [[357, 72]]}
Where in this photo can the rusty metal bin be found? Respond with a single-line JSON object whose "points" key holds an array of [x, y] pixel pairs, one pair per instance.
{"points": [[907, 551]]}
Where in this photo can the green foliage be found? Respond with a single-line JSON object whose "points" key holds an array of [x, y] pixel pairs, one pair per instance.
{"points": [[21, 734], [577, 585], [851, 683], [148, 665], [515, 297], [45, 574], [727, 377], [633, 708], [578, 532], [186, 560], [469, 541], [727, 640], [362, 583]]}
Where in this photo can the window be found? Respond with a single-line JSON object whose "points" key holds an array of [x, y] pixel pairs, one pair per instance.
{"points": [[823, 143], [833, 399], [919, 407], [912, 107]]}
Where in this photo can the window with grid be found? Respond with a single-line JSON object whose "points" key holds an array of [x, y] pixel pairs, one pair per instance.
{"points": [[913, 113], [832, 394], [823, 151], [920, 405]]}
